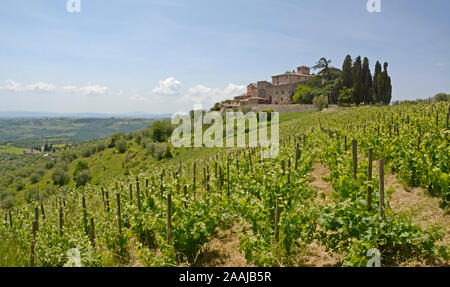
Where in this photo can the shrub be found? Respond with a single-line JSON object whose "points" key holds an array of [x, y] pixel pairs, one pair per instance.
{"points": [[321, 102], [161, 131], [167, 154], [35, 178], [82, 177], [441, 97], [60, 177], [302, 95], [345, 96], [121, 146], [68, 156]]}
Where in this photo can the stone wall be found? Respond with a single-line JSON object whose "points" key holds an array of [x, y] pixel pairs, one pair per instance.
{"points": [[282, 94], [285, 109]]}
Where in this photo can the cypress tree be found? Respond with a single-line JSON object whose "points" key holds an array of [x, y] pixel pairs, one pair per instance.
{"points": [[376, 92], [358, 84], [387, 87], [347, 75], [368, 83]]}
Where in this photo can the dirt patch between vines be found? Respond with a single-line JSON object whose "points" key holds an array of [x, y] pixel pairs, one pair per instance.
{"points": [[318, 173], [422, 208], [223, 250]]}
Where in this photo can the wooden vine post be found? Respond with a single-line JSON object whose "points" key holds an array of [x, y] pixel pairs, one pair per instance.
{"points": [[195, 172], [119, 218], [169, 218], [161, 186], [369, 179], [185, 195], [355, 157], [33, 243], [289, 171], [250, 159], [381, 184], [36, 216], [107, 201], [131, 193], [228, 177], [92, 232], [296, 156], [42, 211], [61, 221], [138, 193], [10, 219]]}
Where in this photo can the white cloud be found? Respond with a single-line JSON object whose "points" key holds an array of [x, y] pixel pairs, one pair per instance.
{"points": [[39, 86], [69, 88], [208, 97], [93, 90], [168, 87], [441, 64]]}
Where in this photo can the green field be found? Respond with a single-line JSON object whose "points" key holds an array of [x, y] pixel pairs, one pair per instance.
{"points": [[27, 133], [10, 149], [309, 206]]}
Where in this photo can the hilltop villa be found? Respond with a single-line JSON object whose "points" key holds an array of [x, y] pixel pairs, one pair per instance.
{"points": [[279, 92]]}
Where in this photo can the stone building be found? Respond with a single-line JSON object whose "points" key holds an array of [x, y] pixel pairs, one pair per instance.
{"points": [[280, 91]]}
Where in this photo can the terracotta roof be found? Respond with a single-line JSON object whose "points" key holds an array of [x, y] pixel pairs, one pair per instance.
{"points": [[303, 67], [294, 74]]}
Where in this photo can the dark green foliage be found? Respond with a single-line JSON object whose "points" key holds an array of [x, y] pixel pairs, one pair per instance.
{"points": [[303, 95], [167, 153], [345, 96], [441, 97], [358, 84], [60, 177], [384, 87], [323, 66], [347, 72], [161, 131], [121, 146], [368, 82], [377, 97]]}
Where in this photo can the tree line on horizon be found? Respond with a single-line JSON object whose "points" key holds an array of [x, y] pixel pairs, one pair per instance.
{"points": [[359, 86], [354, 84]]}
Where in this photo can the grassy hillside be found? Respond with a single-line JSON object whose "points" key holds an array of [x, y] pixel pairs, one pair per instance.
{"points": [[27, 133], [336, 219]]}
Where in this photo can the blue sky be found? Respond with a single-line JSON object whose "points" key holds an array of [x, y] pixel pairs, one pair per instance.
{"points": [[162, 56]]}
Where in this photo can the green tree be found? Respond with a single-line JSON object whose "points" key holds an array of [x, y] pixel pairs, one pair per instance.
{"points": [[347, 73], [384, 86], [441, 97], [345, 96], [81, 174], [368, 82], [358, 84], [167, 153], [60, 177], [323, 66], [321, 102], [376, 76], [161, 131], [299, 96], [121, 145]]}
